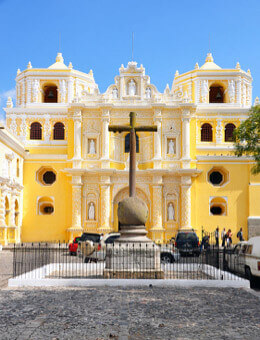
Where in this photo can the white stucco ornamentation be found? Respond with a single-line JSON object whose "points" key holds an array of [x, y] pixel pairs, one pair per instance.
{"points": [[77, 118], [231, 90], [63, 91], [158, 137], [13, 125], [115, 93], [148, 93], [29, 91], [131, 88], [185, 202], [105, 206], [219, 132], [2, 208], [204, 91], [157, 207], [238, 91], [47, 128], [76, 206], [35, 90], [105, 135]]}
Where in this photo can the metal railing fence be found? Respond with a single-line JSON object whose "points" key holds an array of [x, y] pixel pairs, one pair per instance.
{"points": [[38, 260]]}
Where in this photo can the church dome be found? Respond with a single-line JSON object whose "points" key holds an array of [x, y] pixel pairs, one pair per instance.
{"points": [[209, 64], [59, 65]]}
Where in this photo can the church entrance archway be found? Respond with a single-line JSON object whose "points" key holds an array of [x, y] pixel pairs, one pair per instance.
{"points": [[123, 193]]}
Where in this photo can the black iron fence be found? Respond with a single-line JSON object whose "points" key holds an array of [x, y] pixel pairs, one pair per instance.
{"points": [[38, 261]]}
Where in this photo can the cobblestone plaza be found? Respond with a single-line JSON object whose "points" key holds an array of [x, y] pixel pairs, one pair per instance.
{"points": [[129, 313]]}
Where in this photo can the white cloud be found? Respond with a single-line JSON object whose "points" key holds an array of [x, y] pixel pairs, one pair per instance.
{"points": [[3, 98]]}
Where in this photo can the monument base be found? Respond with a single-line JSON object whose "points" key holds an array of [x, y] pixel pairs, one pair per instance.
{"points": [[133, 261]]}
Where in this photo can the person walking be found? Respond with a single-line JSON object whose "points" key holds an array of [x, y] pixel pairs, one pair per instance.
{"points": [[217, 236], [240, 235], [229, 238], [223, 237]]}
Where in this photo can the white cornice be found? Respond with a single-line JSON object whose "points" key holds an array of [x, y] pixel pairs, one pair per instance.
{"points": [[12, 142], [45, 157], [38, 108], [236, 159], [215, 147]]}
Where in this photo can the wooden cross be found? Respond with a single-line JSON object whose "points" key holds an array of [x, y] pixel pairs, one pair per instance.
{"points": [[132, 128]]}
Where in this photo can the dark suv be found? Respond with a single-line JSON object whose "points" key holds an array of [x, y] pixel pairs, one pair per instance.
{"points": [[187, 242]]}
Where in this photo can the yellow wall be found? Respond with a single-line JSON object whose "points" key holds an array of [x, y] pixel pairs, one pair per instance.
{"points": [[236, 191], [46, 227]]}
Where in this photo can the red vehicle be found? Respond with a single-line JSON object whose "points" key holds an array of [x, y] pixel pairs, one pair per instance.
{"points": [[74, 246]]}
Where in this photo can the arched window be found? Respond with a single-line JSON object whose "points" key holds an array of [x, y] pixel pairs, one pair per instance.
{"points": [[216, 94], [127, 143], [229, 130], [58, 131], [50, 94], [36, 131], [206, 133]]}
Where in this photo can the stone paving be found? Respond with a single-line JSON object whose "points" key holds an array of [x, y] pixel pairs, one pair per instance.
{"points": [[129, 313], [6, 267]]}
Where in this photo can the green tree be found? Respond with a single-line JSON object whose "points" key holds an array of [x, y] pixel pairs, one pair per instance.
{"points": [[247, 138]]}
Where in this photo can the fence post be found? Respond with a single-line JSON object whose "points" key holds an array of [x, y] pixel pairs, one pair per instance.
{"points": [[14, 261]]}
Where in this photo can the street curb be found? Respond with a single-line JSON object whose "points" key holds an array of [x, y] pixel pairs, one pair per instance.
{"points": [[127, 283]]}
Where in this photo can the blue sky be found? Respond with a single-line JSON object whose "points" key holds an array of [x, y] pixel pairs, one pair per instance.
{"points": [[168, 35]]}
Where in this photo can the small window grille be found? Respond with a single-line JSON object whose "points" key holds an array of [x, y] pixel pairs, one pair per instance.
{"points": [[58, 131], [49, 177], [206, 133], [216, 178], [36, 131], [229, 130], [127, 143]]}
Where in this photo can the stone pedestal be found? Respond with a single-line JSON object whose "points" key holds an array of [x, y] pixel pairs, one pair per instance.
{"points": [[133, 261], [133, 255]]}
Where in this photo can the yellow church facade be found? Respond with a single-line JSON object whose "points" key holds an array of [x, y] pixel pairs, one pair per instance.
{"points": [[75, 171]]}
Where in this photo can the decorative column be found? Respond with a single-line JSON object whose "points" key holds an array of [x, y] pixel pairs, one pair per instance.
{"points": [[238, 91], [186, 202], [157, 228], [186, 139], [3, 227], [23, 92], [84, 204], [47, 128], [29, 91], [158, 140], [105, 203], [219, 132], [76, 227], [2, 209], [70, 90], [105, 139], [77, 118], [23, 127]]}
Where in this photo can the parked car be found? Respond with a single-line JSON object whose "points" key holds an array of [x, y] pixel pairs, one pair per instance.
{"points": [[92, 247], [73, 246], [244, 259], [169, 254], [187, 242]]}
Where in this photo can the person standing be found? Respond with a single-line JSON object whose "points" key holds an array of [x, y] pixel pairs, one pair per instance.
{"points": [[217, 236], [240, 235], [223, 237]]}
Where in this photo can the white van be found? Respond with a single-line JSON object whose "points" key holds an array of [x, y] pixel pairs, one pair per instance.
{"points": [[252, 259], [244, 258]]}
